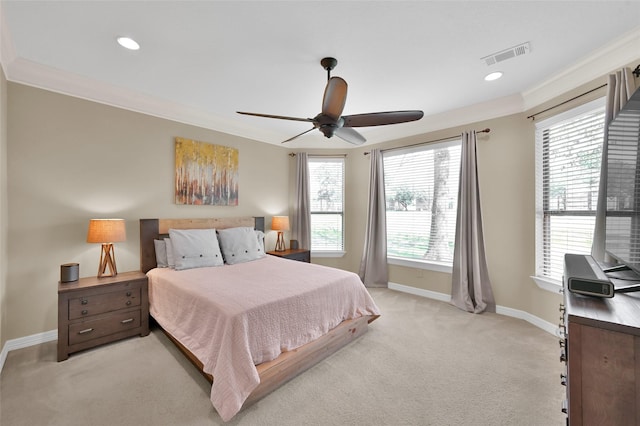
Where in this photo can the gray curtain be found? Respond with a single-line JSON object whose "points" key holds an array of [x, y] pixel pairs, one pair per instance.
{"points": [[470, 287], [620, 87], [301, 218], [373, 266]]}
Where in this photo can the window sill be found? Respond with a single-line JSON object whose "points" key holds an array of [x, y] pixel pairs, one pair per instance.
{"points": [[328, 253], [547, 284], [420, 264]]}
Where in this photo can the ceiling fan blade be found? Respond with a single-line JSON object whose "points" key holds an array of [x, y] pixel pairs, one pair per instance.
{"points": [[281, 117], [350, 135], [381, 118], [335, 96], [298, 135]]}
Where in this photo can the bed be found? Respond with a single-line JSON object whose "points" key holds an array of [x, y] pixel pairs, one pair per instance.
{"points": [[250, 326]]}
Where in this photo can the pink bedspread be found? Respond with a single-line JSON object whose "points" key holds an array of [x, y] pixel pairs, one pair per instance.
{"points": [[234, 317]]}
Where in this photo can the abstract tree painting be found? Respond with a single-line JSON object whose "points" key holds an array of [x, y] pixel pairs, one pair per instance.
{"points": [[206, 174]]}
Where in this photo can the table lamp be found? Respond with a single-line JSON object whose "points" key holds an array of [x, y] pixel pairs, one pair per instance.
{"points": [[280, 224], [106, 232]]}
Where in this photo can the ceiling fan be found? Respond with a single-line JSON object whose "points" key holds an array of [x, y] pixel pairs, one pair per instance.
{"points": [[331, 121]]}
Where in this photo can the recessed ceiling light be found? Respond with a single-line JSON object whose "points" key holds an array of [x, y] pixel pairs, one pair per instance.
{"points": [[128, 43], [493, 76]]}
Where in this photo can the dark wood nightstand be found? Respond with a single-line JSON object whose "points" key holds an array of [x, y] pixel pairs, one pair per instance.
{"points": [[301, 255], [93, 311]]}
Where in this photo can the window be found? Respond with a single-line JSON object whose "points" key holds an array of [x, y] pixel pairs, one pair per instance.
{"points": [[421, 187], [568, 154], [326, 193]]}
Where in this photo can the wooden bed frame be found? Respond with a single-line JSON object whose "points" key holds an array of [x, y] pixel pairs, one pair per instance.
{"points": [[289, 364]]}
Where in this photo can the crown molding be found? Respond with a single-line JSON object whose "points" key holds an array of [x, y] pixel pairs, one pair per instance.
{"points": [[41, 76], [596, 65], [33, 74], [7, 49], [496, 108]]}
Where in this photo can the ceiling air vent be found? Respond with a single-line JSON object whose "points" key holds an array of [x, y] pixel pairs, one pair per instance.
{"points": [[512, 52]]}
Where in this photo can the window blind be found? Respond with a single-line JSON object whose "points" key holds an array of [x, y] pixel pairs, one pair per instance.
{"points": [[569, 151], [421, 187], [326, 190]]}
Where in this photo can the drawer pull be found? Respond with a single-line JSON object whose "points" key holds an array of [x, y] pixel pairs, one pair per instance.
{"points": [[127, 321], [84, 312], [85, 331], [128, 293], [84, 301], [128, 302]]}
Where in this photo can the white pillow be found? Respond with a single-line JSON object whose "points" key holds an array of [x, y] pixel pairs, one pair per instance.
{"points": [[239, 245], [170, 258], [161, 253], [195, 248]]}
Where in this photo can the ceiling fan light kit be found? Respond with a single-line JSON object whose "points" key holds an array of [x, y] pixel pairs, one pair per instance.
{"points": [[330, 120]]}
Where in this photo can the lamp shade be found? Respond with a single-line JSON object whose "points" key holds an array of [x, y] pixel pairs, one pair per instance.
{"points": [[280, 223], [106, 231]]}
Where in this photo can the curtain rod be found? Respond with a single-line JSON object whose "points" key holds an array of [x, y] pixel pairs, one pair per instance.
{"points": [[635, 72], [293, 154], [487, 130], [533, 116]]}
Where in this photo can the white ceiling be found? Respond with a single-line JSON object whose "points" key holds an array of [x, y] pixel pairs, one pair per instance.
{"points": [[200, 61]]}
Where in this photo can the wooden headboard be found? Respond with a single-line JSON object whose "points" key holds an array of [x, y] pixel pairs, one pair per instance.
{"points": [[152, 229]]}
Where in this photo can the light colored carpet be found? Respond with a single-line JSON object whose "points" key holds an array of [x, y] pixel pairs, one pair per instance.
{"points": [[423, 362]]}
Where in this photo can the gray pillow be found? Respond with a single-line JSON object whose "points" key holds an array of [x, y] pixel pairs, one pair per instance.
{"points": [[170, 259], [195, 248], [239, 245], [260, 236], [161, 253]]}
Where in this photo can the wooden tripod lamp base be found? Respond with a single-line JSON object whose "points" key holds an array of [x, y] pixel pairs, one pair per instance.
{"points": [[107, 260], [280, 242], [106, 232], [280, 224]]}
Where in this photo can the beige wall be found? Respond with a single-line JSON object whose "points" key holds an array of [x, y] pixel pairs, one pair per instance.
{"points": [[3, 205], [506, 158], [71, 160], [506, 162]]}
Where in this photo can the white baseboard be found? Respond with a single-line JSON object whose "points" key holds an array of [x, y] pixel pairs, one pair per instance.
{"points": [[24, 342], [48, 336], [502, 310]]}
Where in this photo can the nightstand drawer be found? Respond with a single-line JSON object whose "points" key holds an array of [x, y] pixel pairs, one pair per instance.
{"points": [[88, 330], [93, 311], [126, 297], [301, 257]]}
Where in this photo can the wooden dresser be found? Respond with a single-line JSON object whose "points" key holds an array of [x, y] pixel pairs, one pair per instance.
{"points": [[94, 311], [602, 354]]}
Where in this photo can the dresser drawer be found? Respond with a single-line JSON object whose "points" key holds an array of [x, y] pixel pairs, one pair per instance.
{"points": [[88, 330], [93, 304]]}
